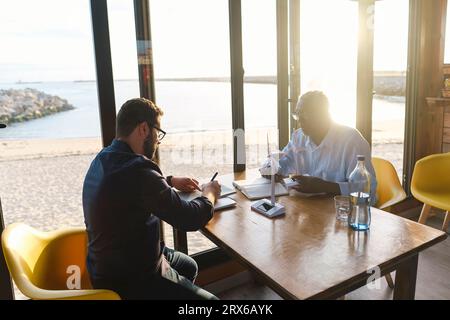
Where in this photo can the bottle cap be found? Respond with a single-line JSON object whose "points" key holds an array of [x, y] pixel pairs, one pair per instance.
{"points": [[361, 157]]}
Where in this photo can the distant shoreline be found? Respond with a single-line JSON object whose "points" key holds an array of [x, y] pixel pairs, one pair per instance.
{"points": [[385, 83], [253, 79]]}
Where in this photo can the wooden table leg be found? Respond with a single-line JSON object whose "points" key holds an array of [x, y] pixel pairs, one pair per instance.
{"points": [[405, 279], [446, 221], [424, 214]]}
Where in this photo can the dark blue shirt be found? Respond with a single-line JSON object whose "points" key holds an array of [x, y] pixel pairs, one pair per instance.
{"points": [[124, 197]]}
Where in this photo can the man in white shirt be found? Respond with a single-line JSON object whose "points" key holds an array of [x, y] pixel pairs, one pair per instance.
{"points": [[322, 154]]}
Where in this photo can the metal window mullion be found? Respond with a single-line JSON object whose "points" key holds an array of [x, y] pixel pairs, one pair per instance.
{"points": [[412, 87], [145, 62], [237, 85], [282, 72], [144, 49], [294, 58], [365, 69], [104, 72], [180, 241]]}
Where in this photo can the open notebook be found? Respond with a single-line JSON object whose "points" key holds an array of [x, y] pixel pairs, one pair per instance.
{"points": [[222, 203], [259, 188]]}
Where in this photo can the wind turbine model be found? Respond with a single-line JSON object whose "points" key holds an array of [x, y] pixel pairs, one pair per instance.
{"points": [[270, 208]]}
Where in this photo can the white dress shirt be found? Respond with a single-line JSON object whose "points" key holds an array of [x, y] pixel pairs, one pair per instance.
{"points": [[333, 160]]}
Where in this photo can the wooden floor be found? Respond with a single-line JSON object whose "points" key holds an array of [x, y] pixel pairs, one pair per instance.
{"points": [[433, 279]]}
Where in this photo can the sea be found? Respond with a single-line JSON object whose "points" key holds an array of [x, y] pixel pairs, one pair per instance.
{"points": [[188, 106]]}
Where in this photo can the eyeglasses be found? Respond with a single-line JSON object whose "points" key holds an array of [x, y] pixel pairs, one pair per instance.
{"points": [[161, 133]]}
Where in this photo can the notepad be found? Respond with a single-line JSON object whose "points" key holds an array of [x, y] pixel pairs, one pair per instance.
{"points": [[221, 203], [226, 190], [259, 188], [224, 203]]}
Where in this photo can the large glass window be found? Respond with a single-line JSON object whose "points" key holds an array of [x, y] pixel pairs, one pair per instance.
{"points": [[48, 97], [123, 50], [122, 33], [390, 63], [259, 50], [328, 53], [192, 67]]}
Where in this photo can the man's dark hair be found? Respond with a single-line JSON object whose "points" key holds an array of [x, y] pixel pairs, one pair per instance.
{"points": [[317, 99], [134, 112]]}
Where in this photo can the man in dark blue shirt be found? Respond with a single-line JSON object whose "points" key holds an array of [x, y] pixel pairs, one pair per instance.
{"points": [[124, 197]]}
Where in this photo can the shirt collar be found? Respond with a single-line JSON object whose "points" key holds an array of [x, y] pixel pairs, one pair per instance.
{"points": [[120, 145], [331, 134], [325, 142]]}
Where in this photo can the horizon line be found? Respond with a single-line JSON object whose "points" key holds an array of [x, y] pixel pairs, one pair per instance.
{"points": [[267, 79]]}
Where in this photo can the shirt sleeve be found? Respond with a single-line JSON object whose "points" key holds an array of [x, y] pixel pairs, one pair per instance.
{"points": [[359, 146], [165, 203]]}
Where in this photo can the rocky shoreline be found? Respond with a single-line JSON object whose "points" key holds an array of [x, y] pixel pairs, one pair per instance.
{"points": [[27, 104]]}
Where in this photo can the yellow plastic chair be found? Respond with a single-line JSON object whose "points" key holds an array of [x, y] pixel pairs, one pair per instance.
{"points": [[430, 184], [42, 263], [389, 188], [389, 191]]}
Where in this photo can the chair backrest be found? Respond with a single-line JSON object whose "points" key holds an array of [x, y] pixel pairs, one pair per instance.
{"points": [[45, 260], [431, 174], [389, 188]]}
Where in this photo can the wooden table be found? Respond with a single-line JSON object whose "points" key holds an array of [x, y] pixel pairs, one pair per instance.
{"points": [[308, 254]]}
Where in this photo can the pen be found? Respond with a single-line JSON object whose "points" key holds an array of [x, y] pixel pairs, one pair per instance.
{"points": [[214, 176]]}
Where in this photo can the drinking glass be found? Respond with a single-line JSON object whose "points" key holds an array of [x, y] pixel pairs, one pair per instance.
{"points": [[342, 205]]}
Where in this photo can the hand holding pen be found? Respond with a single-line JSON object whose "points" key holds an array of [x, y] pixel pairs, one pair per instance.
{"points": [[212, 189]]}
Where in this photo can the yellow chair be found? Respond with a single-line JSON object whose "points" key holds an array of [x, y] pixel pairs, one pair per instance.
{"points": [[46, 265], [389, 191], [389, 188], [430, 184]]}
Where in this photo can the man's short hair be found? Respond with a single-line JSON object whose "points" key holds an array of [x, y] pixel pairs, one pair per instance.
{"points": [[134, 112], [318, 99]]}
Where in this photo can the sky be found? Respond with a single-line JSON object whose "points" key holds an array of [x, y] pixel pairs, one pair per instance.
{"points": [[51, 40]]}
